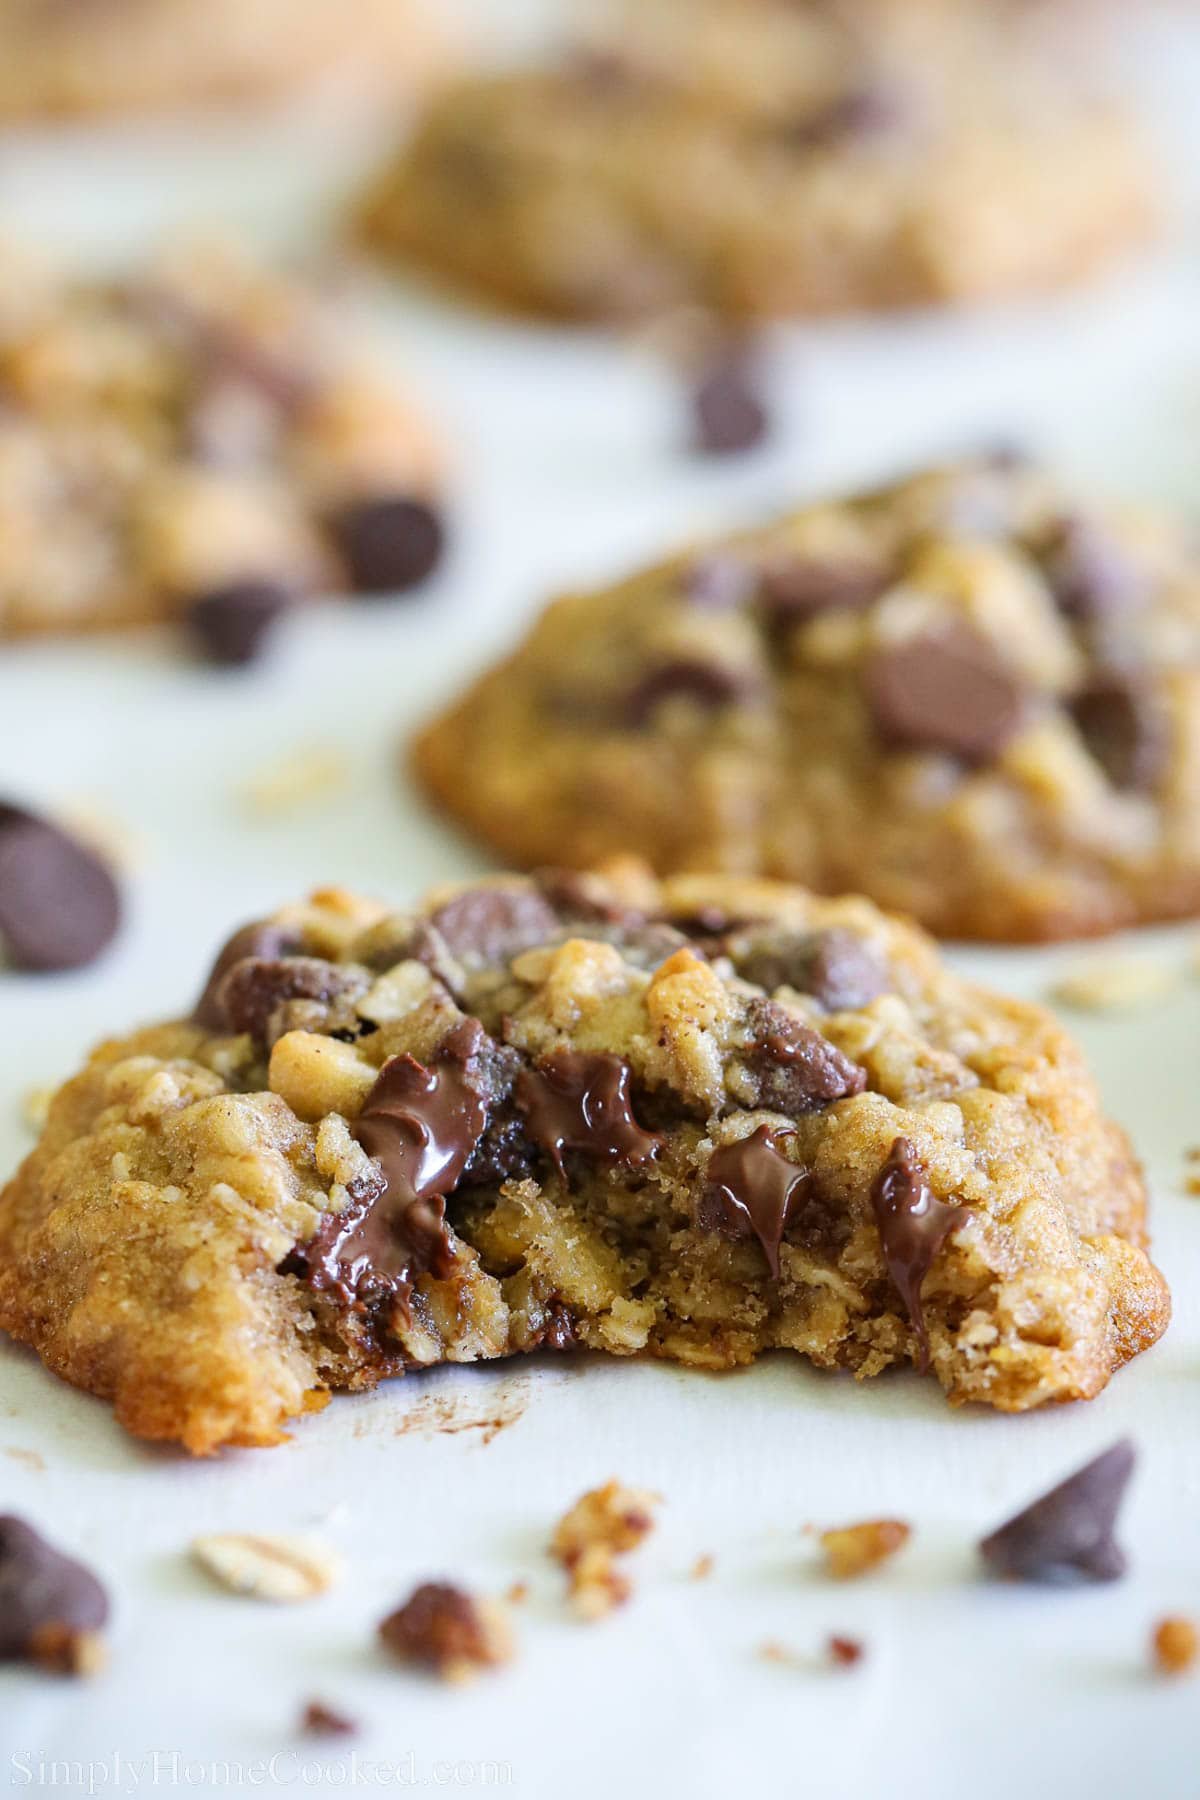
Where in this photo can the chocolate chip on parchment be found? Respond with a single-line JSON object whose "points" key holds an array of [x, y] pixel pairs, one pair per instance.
{"points": [[795, 1070], [913, 1225], [793, 589], [1124, 727], [59, 902], [946, 690], [841, 970], [1067, 1535], [229, 625], [752, 1189], [708, 685], [1091, 574], [578, 1100], [390, 543], [51, 1607], [494, 924], [262, 940], [728, 413]]}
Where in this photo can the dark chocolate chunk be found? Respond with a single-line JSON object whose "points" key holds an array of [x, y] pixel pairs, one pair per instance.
{"points": [[558, 1333], [795, 1069], [719, 582], [913, 1225], [59, 904], [946, 690], [260, 939], [1091, 574], [793, 589], [841, 970], [1125, 728], [494, 924], [575, 1100], [47, 1600], [752, 1189], [575, 895], [230, 625], [728, 414], [389, 544], [254, 987], [708, 685], [319, 1720], [422, 1126], [1067, 1535]]}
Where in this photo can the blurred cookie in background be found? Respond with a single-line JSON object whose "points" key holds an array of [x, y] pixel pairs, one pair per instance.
{"points": [[198, 440], [60, 58], [766, 157], [973, 696]]}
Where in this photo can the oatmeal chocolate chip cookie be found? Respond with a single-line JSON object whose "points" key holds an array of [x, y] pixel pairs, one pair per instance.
{"points": [[969, 696], [563, 1111], [769, 158], [197, 441], [116, 56]]}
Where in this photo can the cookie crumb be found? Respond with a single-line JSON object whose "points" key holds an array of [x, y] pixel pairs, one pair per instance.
{"points": [[319, 1720], [448, 1631], [61, 1650], [304, 777], [703, 1567], [772, 1651], [281, 1567], [1175, 1645], [852, 1550], [603, 1524], [1114, 984], [845, 1652], [517, 1594]]}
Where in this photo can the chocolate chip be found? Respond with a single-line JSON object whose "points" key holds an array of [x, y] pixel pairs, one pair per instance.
{"points": [[795, 1069], [389, 544], [256, 986], [47, 1600], [728, 414], [261, 939], [707, 685], [841, 970], [1067, 1535], [913, 1225], [575, 1100], [946, 690], [752, 1189], [794, 589], [319, 1720], [1091, 574], [1124, 727], [494, 924], [59, 904], [230, 624]]}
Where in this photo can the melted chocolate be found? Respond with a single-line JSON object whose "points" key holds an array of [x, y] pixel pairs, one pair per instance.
{"points": [[913, 1225], [753, 1190], [578, 1101], [422, 1126]]}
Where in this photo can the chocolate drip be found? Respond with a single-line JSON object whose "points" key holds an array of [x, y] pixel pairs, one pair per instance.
{"points": [[913, 1225], [752, 1189], [578, 1101], [421, 1125]]}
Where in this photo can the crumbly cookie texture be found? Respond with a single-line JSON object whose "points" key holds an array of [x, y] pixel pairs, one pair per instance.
{"points": [[695, 1121], [766, 159], [138, 55], [198, 435], [970, 696]]}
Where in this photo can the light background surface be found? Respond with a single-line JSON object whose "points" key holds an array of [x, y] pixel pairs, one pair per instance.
{"points": [[569, 467]]}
